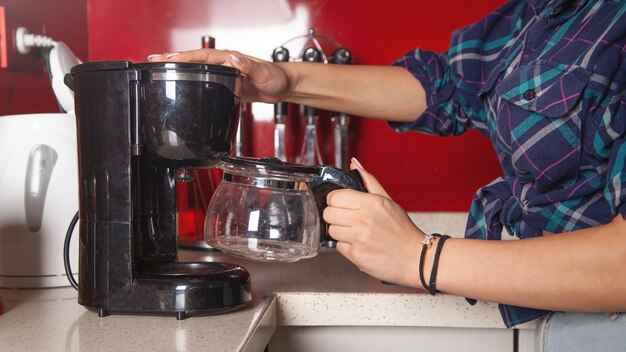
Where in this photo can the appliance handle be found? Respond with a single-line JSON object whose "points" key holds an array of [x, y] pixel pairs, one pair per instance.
{"points": [[41, 162]]}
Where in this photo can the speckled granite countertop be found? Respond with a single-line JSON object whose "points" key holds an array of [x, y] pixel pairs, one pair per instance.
{"points": [[325, 290]]}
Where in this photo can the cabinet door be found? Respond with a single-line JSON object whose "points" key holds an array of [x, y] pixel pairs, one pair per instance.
{"points": [[389, 339]]}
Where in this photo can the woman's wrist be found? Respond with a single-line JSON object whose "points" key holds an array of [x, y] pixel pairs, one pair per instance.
{"points": [[307, 83], [414, 261], [432, 247], [427, 243], [290, 72], [427, 256]]}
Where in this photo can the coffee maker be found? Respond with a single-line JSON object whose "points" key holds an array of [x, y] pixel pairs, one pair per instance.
{"points": [[140, 127]]}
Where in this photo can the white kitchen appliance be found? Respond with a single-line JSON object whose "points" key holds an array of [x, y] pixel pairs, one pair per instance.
{"points": [[39, 187]]}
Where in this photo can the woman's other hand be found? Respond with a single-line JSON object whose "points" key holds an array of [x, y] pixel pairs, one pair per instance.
{"points": [[374, 232], [263, 81]]}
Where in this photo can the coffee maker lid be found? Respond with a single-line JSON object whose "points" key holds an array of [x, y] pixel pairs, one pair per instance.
{"points": [[101, 66], [178, 66], [188, 66]]}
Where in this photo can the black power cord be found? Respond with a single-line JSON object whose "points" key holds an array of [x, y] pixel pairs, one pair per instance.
{"points": [[66, 252]]}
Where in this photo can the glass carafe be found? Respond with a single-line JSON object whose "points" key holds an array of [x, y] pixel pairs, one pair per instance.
{"points": [[268, 210], [266, 216]]}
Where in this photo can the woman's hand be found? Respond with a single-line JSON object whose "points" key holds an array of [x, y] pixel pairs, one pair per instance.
{"points": [[374, 232], [263, 81]]}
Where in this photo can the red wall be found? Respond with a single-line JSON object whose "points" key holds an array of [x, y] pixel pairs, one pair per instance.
{"points": [[422, 173], [63, 20]]}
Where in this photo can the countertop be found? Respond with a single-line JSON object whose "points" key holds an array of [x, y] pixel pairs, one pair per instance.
{"points": [[326, 290]]}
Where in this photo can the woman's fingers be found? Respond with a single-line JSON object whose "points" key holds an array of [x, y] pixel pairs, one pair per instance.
{"points": [[339, 216], [346, 199], [209, 56], [345, 249], [340, 233], [371, 183]]}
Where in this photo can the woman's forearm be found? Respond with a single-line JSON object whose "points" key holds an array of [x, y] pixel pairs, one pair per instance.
{"points": [[583, 270], [384, 92]]}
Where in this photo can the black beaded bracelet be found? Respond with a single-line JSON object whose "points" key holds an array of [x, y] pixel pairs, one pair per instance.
{"points": [[432, 286], [426, 243]]}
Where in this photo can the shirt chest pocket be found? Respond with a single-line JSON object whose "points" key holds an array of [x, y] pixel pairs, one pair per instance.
{"points": [[538, 119]]}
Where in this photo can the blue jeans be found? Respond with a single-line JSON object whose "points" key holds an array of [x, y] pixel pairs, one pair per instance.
{"points": [[585, 332]]}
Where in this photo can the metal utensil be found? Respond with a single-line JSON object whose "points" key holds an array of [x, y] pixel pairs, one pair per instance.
{"points": [[341, 56], [310, 153], [280, 54]]}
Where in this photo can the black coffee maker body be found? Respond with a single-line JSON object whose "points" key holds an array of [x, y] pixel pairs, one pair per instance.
{"points": [[140, 126]]}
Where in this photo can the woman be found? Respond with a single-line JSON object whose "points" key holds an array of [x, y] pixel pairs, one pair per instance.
{"points": [[546, 82]]}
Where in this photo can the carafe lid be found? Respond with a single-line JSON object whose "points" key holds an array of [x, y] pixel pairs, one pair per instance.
{"points": [[268, 167]]}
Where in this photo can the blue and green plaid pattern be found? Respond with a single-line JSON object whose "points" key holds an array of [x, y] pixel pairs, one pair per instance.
{"points": [[546, 82]]}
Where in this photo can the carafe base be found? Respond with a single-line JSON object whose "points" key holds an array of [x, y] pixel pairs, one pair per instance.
{"points": [[263, 249]]}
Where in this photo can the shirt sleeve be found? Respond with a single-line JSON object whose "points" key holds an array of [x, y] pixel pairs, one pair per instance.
{"points": [[615, 190], [453, 81]]}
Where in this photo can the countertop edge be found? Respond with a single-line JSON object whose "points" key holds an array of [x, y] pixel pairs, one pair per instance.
{"points": [[379, 309], [263, 327]]}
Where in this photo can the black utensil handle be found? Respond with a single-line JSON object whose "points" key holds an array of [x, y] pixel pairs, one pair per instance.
{"points": [[281, 108], [311, 55], [280, 54], [310, 112], [342, 56]]}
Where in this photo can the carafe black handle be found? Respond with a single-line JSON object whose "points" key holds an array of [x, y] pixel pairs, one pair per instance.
{"points": [[329, 179]]}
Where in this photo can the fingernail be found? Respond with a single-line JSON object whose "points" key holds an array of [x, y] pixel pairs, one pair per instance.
{"points": [[171, 55], [358, 164], [150, 57], [237, 59]]}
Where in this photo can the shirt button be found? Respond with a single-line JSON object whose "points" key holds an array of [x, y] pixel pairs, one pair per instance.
{"points": [[529, 94]]}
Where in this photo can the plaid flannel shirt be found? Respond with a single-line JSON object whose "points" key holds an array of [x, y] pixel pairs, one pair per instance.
{"points": [[546, 82]]}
